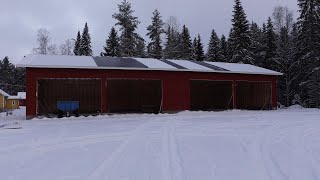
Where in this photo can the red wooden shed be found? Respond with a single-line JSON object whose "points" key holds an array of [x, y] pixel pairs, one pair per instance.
{"points": [[112, 85]]}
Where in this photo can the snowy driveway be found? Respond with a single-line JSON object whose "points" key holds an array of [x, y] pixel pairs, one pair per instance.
{"points": [[236, 145]]}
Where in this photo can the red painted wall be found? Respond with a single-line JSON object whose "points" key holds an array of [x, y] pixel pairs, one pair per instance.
{"points": [[176, 91]]}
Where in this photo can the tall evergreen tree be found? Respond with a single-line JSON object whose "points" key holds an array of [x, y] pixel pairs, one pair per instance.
{"points": [[140, 49], [309, 50], [186, 44], [85, 45], [155, 31], [224, 49], [285, 63], [257, 44], [240, 36], [172, 44], [128, 25], [270, 46], [198, 52], [77, 45], [112, 47], [214, 51]]}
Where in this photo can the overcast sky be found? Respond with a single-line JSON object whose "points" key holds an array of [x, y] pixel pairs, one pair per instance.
{"points": [[19, 21]]}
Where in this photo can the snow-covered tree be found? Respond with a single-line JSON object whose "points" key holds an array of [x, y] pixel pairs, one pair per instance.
{"points": [[140, 49], [44, 46], [85, 45], [154, 32], [224, 49], [185, 44], [66, 48], [282, 17], [214, 52], [77, 45], [271, 47], [112, 47], [197, 49], [309, 49], [240, 36], [257, 44], [128, 25], [287, 64], [172, 44]]}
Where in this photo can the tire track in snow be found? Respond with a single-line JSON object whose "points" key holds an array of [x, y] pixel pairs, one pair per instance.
{"points": [[171, 160], [102, 171]]}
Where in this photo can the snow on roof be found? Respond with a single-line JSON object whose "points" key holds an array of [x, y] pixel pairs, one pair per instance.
{"points": [[13, 98], [154, 63], [244, 68], [87, 62], [4, 93], [22, 95], [57, 61], [190, 65]]}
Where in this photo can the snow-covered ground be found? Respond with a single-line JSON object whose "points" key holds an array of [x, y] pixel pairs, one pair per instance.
{"points": [[234, 145]]}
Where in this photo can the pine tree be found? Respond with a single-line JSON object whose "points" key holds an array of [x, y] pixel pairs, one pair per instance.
{"points": [[128, 25], [112, 47], [194, 49], [85, 45], [240, 36], [270, 46], [186, 44], [214, 51], [155, 31], [224, 49], [77, 45]]}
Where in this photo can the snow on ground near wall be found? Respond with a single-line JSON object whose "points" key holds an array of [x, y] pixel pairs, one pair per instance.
{"points": [[241, 145]]}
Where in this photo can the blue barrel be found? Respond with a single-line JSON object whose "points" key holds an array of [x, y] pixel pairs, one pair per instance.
{"points": [[68, 106]]}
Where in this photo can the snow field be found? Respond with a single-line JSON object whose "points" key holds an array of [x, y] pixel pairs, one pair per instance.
{"points": [[242, 145]]}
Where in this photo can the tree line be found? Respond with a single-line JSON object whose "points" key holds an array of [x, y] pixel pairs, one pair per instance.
{"points": [[281, 44]]}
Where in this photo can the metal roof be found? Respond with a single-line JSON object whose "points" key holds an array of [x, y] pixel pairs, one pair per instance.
{"points": [[4, 93], [88, 62]]}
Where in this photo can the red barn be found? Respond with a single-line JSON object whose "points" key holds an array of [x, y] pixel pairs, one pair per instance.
{"points": [[122, 85]]}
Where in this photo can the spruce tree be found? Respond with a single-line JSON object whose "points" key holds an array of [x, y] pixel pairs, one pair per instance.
{"points": [[214, 51], [154, 32], [185, 44], [240, 36], [270, 46], [85, 46], [199, 52], [140, 48], [285, 63], [309, 50], [172, 44], [128, 25], [224, 49], [77, 45], [112, 47], [257, 44]]}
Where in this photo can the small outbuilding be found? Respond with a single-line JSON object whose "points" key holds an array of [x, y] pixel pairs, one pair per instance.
{"points": [[12, 102], [23, 97], [125, 85], [3, 99]]}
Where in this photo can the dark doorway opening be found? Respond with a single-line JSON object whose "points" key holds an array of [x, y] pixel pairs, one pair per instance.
{"points": [[254, 95], [211, 95], [129, 96], [86, 91]]}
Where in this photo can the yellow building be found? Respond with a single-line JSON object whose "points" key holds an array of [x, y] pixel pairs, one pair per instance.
{"points": [[12, 102], [3, 99]]}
